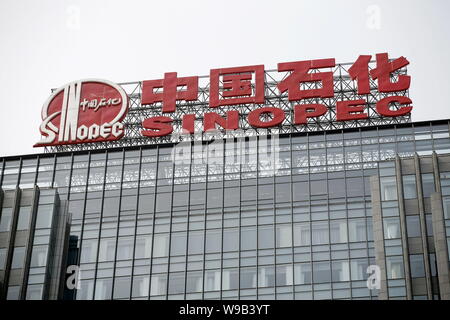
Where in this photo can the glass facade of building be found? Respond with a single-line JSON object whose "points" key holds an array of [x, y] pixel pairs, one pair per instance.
{"points": [[141, 226]]}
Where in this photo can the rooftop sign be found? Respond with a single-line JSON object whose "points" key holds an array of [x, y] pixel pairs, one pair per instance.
{"points": [[306, 95]]}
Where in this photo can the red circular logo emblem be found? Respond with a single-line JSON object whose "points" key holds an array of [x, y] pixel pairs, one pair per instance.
{"points": [[84, 111]]}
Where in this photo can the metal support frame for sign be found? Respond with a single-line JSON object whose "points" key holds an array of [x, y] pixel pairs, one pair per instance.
{"points": [[344, 89]]}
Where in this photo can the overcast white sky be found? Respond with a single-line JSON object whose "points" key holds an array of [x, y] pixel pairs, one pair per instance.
{"points": [[45, 44]]}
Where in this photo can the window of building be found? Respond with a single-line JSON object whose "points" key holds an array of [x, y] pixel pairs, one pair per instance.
{"points": [[391, 228], [284, 235], [107, 249], [409, 187], [357, 230], [355, 187], [265, 237], [140, 286], [338, 231], [103, 289], [388, 187], [336, 188], [417, 265], [413, 226], [195, 242], [18, 259], [248, 238], [321, 272], [340, 270], [39, 256], [176, 283], [213, 241], [446, 204], [125, 248], [2, 258], [394, 266], [230, 279], [248, 278], [230, 239], [302, 273], [266, 276], [23, 221], [161, 245], [44, 216], [320, 233], [433, 266], [194, 282], [122, 287], [358, 268], [13, 293], [212, 280], [318, 187], [429, 224], [158, 284], [5, 219], [302, 235], [427, 184], [285, 275], [89, 251], [143, 248], [86, 290]]}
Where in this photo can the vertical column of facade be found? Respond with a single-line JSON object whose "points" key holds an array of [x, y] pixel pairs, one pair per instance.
{"points": [[30, 236], [404, 237], [8, 222], [43, 265], [378, 236], [60, 238], [439, 231], [423, 234]]}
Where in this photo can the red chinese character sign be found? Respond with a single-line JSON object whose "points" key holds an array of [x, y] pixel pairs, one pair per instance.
{"points": [[84, 111], [298, 96]]}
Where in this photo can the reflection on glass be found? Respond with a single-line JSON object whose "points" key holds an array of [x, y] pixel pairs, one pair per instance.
{"points": [[391, 228], [284, 235], [5, 219], [321, 272], [122, 287], [176, 283], [103, 288], [388, 188], [338, 231], [266, 276], [161, 245], [18, 258], [340, 271], [409, 187], [194, 281], [143, 249], [248, 278], [158, 284], [39, 256], [417, 265], [427, 184], [320, 232], [302, 273], [285, 276], [413, 226], [212, 280], [302, 236], [394, 267], [23, 221], [357, 229], [141, 286], [86, 290]]}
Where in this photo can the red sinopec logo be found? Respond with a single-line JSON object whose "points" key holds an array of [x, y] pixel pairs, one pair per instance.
{"points": [[83, 111]]}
